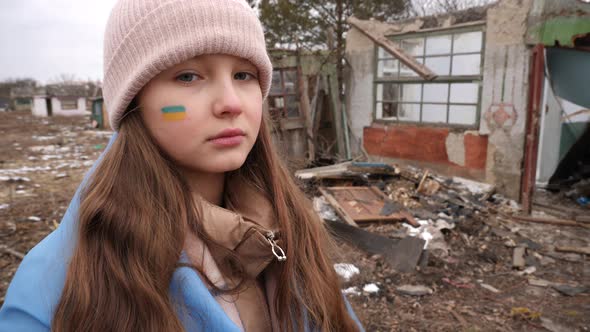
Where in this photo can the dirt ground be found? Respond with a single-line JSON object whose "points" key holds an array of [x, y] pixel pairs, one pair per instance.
{"points": [[473, 284]]}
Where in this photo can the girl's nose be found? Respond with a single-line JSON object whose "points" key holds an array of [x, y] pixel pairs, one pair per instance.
{"points": [[227, 101]]}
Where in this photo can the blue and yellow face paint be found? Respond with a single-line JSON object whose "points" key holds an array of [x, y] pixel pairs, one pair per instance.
{"points": [[174, 113]]}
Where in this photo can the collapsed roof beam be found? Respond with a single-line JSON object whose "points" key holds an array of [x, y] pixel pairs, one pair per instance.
{"points": [[380, 39]]}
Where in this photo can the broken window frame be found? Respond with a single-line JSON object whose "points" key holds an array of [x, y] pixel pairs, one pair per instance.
{"points": [[278, 113], [448, 79]]}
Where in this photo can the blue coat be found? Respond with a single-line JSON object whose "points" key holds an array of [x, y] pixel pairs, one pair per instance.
{"points": [[37, 285]]}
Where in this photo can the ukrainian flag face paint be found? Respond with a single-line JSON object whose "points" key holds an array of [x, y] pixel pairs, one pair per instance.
{"points": [[174, 113]]}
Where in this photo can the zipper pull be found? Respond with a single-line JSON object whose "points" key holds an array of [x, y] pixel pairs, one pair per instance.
{"points": [[270, 237]]}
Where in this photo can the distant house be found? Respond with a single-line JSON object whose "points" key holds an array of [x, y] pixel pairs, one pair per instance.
{"points": [[21, 98], [63, 99]]}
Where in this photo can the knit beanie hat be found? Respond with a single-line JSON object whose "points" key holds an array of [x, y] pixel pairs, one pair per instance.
{"points": [[146, 37]]}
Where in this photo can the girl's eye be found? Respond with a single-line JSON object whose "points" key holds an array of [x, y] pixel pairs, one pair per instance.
{"points": [[187, 77], [243, 76]]}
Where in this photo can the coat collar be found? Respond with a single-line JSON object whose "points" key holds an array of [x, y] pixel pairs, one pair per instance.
{"points": [[243, 227]]}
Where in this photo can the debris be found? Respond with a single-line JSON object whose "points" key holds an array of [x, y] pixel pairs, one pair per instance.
{"points": [[338, 208], [61, 176], [323, 209], [351, 291], [575, 250], [524, 313], [551, 221], [371, 288], [518, 257], [527, 271], [570, 290], [332, 171], [346, 271], [362, 204], [34, 219], [554, 327], [539, 282], [402, 255], [12, 252], [489, 287], [431, 233], [4, 206], [477, 188], [414, 290], [458, 284]]}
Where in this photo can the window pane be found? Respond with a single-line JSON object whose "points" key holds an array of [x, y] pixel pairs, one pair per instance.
{"points": [[434, 113], [388, 92], [413, 46], [277, 87], [467, 42], [386, 111], [292, 107], [436, 93], [440, 65], [464, 93], [466, 64], [459, 114], [387, 68], [412, 92], [406, 71], [276, 102], [438, 45], [409, 112], [290, 78]]}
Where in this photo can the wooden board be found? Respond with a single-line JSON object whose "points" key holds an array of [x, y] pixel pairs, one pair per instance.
{"points": [[363, 204]]}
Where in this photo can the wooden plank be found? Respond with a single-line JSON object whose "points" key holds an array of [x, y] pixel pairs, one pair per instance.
{"points": [[337, 208], [576, 250], [392, 48], [365, 204]]}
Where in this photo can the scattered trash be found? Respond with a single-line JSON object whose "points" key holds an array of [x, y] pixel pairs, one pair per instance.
{"points": [[346, 271], [518, 257], [34, 219], [414, 290], [570, 290], [61, 176], [527, 271], [4, 206], [554, 327], [524, 313], [489, 287], [370, 288], [351, 291]]}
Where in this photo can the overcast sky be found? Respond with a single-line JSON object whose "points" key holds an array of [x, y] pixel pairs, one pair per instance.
{"points": [[43, 39]]}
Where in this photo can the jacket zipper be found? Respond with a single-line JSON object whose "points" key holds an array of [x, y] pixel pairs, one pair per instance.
{"points": [[276, 250]]}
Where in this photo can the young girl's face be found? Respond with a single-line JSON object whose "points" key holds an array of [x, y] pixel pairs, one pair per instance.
{"points": [[205, 113]]}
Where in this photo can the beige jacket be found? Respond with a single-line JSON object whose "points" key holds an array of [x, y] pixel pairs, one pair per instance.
{"points": [[246, 228]]}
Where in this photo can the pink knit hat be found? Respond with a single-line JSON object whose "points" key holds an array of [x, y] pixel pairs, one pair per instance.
{"points": [[146, 37]]}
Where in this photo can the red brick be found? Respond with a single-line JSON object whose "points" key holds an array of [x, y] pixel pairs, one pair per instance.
{"points": [[476, 151]]}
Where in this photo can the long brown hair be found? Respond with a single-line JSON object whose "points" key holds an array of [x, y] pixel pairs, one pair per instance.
{"points": [[135, 208]]}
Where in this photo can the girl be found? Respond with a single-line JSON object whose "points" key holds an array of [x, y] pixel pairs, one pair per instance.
{"points": [[189, 221]]}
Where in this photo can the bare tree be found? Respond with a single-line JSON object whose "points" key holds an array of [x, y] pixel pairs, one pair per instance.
{"points": [[433, 7]]}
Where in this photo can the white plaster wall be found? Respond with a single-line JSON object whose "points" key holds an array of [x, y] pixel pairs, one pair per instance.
{"points": [[505, 90], [81, 110], [39, 107], [359, 85]]}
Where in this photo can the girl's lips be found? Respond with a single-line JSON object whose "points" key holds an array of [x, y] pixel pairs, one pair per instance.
{"points": [[228, 137], [228, 141]]}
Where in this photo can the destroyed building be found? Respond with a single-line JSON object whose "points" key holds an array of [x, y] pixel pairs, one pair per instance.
{"points": [[65, 99], [495, 94]]}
